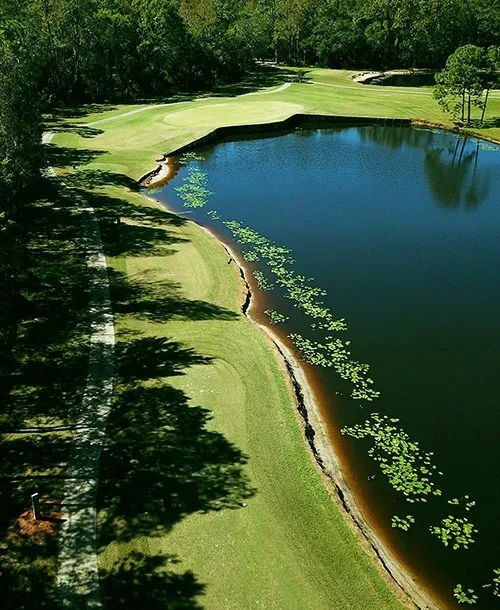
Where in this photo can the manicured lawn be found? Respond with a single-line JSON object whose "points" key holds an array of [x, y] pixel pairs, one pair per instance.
{"points": [[132, 143], [204, 421]]}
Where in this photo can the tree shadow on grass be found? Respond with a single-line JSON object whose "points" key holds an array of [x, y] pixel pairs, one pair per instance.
{"points": [[160, 463], [91, 179], [63, 156], [49, 362], [261, 77], [160, 301], [30, 463], [153, 357], [141, 582], [488, 123]]}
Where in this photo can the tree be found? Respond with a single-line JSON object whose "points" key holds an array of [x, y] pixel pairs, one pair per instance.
{"points": [[492, 69], [460, 84]]}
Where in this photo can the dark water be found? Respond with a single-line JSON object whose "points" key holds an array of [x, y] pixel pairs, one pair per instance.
{"points": [[407, 80], [402, 228]]}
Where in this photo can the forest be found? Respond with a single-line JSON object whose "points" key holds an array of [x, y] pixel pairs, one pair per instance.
{"points": [[62, 52]]}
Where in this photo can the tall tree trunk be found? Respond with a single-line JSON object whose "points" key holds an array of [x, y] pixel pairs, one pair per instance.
{"points": [[485, 103], [463, 105], [468, 108]]}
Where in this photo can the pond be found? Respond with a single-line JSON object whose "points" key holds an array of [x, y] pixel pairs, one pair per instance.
{"points": [[401, 228]]}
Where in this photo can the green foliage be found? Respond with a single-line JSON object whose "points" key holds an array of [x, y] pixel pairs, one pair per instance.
{"points": [[262, 282], [459, 86], [213, 214], [495, 584], [408, 468], [463, 596], [193, 191], [275, 317], [300, 74], [21, 158], [403, 523], [455, 531], [251, 256], [468, 504], [331, 352]]}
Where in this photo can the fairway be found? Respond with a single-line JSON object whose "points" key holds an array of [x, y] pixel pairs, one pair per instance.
{"points": [[207, 483]]}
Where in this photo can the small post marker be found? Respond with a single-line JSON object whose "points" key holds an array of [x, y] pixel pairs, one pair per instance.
{"points": [[35, 503]]}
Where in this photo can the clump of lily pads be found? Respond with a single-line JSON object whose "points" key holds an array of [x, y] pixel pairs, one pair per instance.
{"points": [[455, 531], [213, 214], [333, 353], [193, 191], [403, 523], [467, 502], [306, 296], [495, 583], [251, 256], [262, 282], [408, 468], [275, 317], [464, 596]]}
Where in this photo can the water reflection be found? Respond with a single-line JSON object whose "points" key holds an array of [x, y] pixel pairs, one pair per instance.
{"points": [[396, 137], [452, 172], [454, 178]]}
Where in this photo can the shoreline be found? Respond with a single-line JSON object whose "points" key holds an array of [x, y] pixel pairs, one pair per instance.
{"points": [[326, 460], [168, 168], [321, 448]]}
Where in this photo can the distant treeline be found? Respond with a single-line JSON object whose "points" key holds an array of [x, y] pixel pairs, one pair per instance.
{"points": [[82, 50]]}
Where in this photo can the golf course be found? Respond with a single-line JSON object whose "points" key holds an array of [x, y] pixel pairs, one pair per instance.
{"points": [[208, 492]]}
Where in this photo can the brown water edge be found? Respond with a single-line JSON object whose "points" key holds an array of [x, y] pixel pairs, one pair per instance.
{"points": [[327, 447]]}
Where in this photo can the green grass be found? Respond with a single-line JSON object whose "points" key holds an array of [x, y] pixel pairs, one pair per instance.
{"points": [[204, 420], [289, 547]]}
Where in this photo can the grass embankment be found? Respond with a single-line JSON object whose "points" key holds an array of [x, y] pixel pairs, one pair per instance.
{"points": [[204, 420]]}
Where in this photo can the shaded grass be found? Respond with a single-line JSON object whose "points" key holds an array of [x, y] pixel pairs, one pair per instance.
{"points": [[201, 404], [49, 368]]}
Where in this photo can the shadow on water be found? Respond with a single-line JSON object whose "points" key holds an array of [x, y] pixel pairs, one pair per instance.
{"points": [[160, 462]]}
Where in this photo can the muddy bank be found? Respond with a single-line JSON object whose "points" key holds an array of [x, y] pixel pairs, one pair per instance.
{"points": [[166, 170], [327, 461]]}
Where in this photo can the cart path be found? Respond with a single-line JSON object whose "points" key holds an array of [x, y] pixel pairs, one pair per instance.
{"points": [[78, 576]]}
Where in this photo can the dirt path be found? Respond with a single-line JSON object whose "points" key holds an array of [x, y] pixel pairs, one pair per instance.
{"points": [[78, 575]]}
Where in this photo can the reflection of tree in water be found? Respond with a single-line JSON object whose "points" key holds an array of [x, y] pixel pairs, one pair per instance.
{"points": [[452, 171], [396, 137], [454, 177]]}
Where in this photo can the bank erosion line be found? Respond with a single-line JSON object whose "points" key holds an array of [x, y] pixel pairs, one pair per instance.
{"points": [[77, 574]]}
